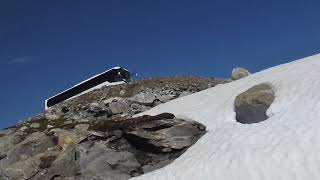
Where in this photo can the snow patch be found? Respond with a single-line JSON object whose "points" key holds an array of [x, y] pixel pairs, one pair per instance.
{"points": [[286, 146]]}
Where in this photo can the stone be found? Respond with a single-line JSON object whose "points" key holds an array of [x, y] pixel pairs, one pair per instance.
{"points": [[185, 93], [94, 108], [34, 125], [49, 126], [137, 108], [9, 141], [122, 92], [53, 113], [98, 110], [20, 170], [64, 167], [23, 128], [69, 138], [97, 160], [165, 133], [238, 73], [76, 116], [52, 116], [251, 105], [110, 100], [22, 161], [118, 108], [165, 98], [82, 127], [6, 131], [144, 98]]}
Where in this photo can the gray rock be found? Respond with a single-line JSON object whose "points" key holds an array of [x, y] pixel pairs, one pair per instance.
{"points": [[115, 149], [9, 141], [22, 161], [6, 131], [64, 167], [53, 113], [97, 160], [98, 110], [23, 128], [144, 98], [21, 170], [165, 134], [185, 93], [49, 126], [122, 92], [94, 108], [76, 116], [82, 127], [66, 138], [118, 108], [169, 93], [52, 116], [110, 100], [137, 108], [34, 125], [251, 105], [238, 73], [165, 98]]}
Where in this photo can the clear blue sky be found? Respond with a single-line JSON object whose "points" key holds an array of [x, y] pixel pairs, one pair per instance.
{"points": [[47, 46]]}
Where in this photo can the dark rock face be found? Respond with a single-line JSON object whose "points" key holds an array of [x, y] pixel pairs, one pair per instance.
{"points": [[114, 149], [251, 105]]}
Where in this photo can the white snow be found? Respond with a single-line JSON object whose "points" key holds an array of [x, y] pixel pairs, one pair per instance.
{"points": [[285, 146]]}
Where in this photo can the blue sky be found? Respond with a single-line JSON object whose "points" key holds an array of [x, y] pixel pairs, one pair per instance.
{"points": [[47, 46]]}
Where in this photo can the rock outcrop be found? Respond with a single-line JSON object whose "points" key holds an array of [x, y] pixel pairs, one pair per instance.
{"points": [[116, 149], [251, 105], [95, 136]]}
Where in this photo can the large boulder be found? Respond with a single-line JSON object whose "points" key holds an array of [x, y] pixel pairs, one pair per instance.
{"points": [[165, 134], [251, 105], [238, 73]]}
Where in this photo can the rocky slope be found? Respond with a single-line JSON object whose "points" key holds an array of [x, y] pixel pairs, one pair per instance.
{"points": [[94, 136]]}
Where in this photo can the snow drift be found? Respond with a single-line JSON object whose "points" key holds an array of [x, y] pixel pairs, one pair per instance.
{"points": [[285, 146]]}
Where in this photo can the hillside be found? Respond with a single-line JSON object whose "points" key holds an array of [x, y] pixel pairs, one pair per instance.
{"points": [[257, 127], [94, 136]]}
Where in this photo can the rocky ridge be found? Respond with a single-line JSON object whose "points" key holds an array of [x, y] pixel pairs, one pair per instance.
{"points": [[94, 136]]}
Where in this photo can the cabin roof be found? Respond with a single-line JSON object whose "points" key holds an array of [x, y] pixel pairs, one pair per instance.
{"points": [[116, 67]]}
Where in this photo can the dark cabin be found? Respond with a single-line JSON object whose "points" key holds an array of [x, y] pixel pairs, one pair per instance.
{"points": [[107, 78]]}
